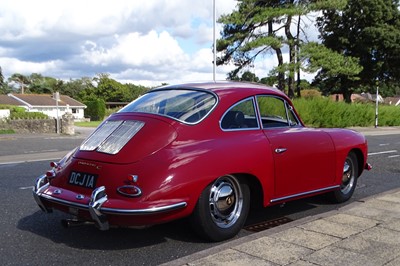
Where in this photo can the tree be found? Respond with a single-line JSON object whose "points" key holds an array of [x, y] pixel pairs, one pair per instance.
{"points": [[1, 77], [110, 90], [21, 80], [368, 30], [258, 27], [135, 91], [333, 66], [76, 88], [2, 83], [40, 84]]}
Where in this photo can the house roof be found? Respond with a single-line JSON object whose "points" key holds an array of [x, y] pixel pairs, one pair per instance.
{"points": [[393, 100], [36, 100], [7, 100]]}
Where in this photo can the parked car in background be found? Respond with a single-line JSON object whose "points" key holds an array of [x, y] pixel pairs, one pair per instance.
{"points": [[204, 151]]}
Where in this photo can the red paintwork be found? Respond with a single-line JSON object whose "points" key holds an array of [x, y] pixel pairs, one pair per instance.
{"points": [[176, 161]]}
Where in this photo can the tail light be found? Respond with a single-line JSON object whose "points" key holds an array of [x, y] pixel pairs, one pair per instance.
{"points": [[50, 174], [130, 189]]}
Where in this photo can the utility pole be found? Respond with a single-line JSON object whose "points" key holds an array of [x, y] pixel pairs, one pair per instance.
{"points": [[376, 106], [214, 42], [56, 97]]}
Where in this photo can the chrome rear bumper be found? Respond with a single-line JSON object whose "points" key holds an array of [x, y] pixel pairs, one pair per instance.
{"points": [[98, 213]]}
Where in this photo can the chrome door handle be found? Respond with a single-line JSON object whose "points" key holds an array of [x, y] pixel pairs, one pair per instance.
{"points": [[280, 150]]}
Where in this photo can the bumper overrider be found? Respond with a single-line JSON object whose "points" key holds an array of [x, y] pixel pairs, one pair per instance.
{"points": [[97, 212]]}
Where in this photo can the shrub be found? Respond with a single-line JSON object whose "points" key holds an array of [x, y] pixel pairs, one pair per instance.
{"points": [[27, 115], [4, 106], [96, 109], [110, 111], [323, 112], [388, 115], [310, 94]]}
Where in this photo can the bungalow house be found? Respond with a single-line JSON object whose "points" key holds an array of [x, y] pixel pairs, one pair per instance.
{"points": [[393, 100], [46, 103], [363, 97]]}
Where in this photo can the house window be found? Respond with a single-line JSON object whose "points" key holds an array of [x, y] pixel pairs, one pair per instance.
{"points": [[74, 111]]}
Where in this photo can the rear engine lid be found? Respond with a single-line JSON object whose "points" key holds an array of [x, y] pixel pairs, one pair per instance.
{"points": [[126, 139]]}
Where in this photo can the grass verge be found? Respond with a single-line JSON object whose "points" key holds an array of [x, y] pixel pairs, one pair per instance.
{"points": [[88, 124]]}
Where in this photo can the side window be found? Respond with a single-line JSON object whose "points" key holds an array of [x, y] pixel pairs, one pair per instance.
{"points": [[273, 112], [240, 116]]}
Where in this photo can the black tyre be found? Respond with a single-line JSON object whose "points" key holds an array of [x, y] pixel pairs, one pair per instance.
{"points": [[222, 209], [349, 179]]}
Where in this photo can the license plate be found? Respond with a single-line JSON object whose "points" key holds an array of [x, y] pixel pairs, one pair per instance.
{"points": [[81, 179]]}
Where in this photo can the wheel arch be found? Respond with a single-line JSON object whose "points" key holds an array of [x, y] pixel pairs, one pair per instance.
{"points": [[360, 160], [256, 189]]}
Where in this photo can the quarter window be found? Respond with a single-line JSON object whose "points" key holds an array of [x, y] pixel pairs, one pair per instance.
{"points": [[240, 116]]}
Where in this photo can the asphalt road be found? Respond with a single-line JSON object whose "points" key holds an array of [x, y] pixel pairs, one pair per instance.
{"points": [[31, 237]]}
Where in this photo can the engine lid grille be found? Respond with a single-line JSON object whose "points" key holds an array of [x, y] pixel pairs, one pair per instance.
{"points": [[111, 136]]}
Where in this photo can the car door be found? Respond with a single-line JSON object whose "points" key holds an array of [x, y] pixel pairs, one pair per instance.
{"points": [[303, 157]]}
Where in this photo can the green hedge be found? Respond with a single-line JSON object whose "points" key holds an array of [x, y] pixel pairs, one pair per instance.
{"points": [[96, 109], [4, 106], [28, 115], [21, 113], [323, 112]]}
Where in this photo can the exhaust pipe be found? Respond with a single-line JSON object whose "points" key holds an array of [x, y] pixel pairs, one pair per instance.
{"points": [[68, 223]]}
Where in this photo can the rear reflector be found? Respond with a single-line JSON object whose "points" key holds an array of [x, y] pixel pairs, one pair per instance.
{"points": [[112, 136], [129, 191]]}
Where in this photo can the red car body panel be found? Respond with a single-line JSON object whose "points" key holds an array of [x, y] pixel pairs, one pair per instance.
{"points": [[174, 162]]}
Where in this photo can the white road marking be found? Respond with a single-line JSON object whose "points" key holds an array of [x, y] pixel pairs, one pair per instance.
{"points": [[23, 188], [382, 152]]}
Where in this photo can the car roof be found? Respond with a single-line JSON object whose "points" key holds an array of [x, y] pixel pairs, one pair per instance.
{"points": [[226, 87], [223, 85]]}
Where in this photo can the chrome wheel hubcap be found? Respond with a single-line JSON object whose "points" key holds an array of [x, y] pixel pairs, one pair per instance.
{"points": [[348, 177], [225, 201]]}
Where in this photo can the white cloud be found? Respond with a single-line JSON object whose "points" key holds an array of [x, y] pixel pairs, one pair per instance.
{"points": [[142, 42], [14, 65], [135, 50]]}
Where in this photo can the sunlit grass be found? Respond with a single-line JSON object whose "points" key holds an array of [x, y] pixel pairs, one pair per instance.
{"points": [[7, 131], [88, 124]]}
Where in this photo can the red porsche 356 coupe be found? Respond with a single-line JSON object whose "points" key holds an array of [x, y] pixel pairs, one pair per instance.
{"points": [[203, 151]]}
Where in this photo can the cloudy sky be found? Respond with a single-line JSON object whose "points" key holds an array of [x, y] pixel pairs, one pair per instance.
{"points": [[144, 42]]}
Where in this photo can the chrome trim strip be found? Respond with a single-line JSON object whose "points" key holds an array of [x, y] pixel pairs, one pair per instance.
{"points": [[304, 193], [118, 211], [145, 211], [64, 202]]}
